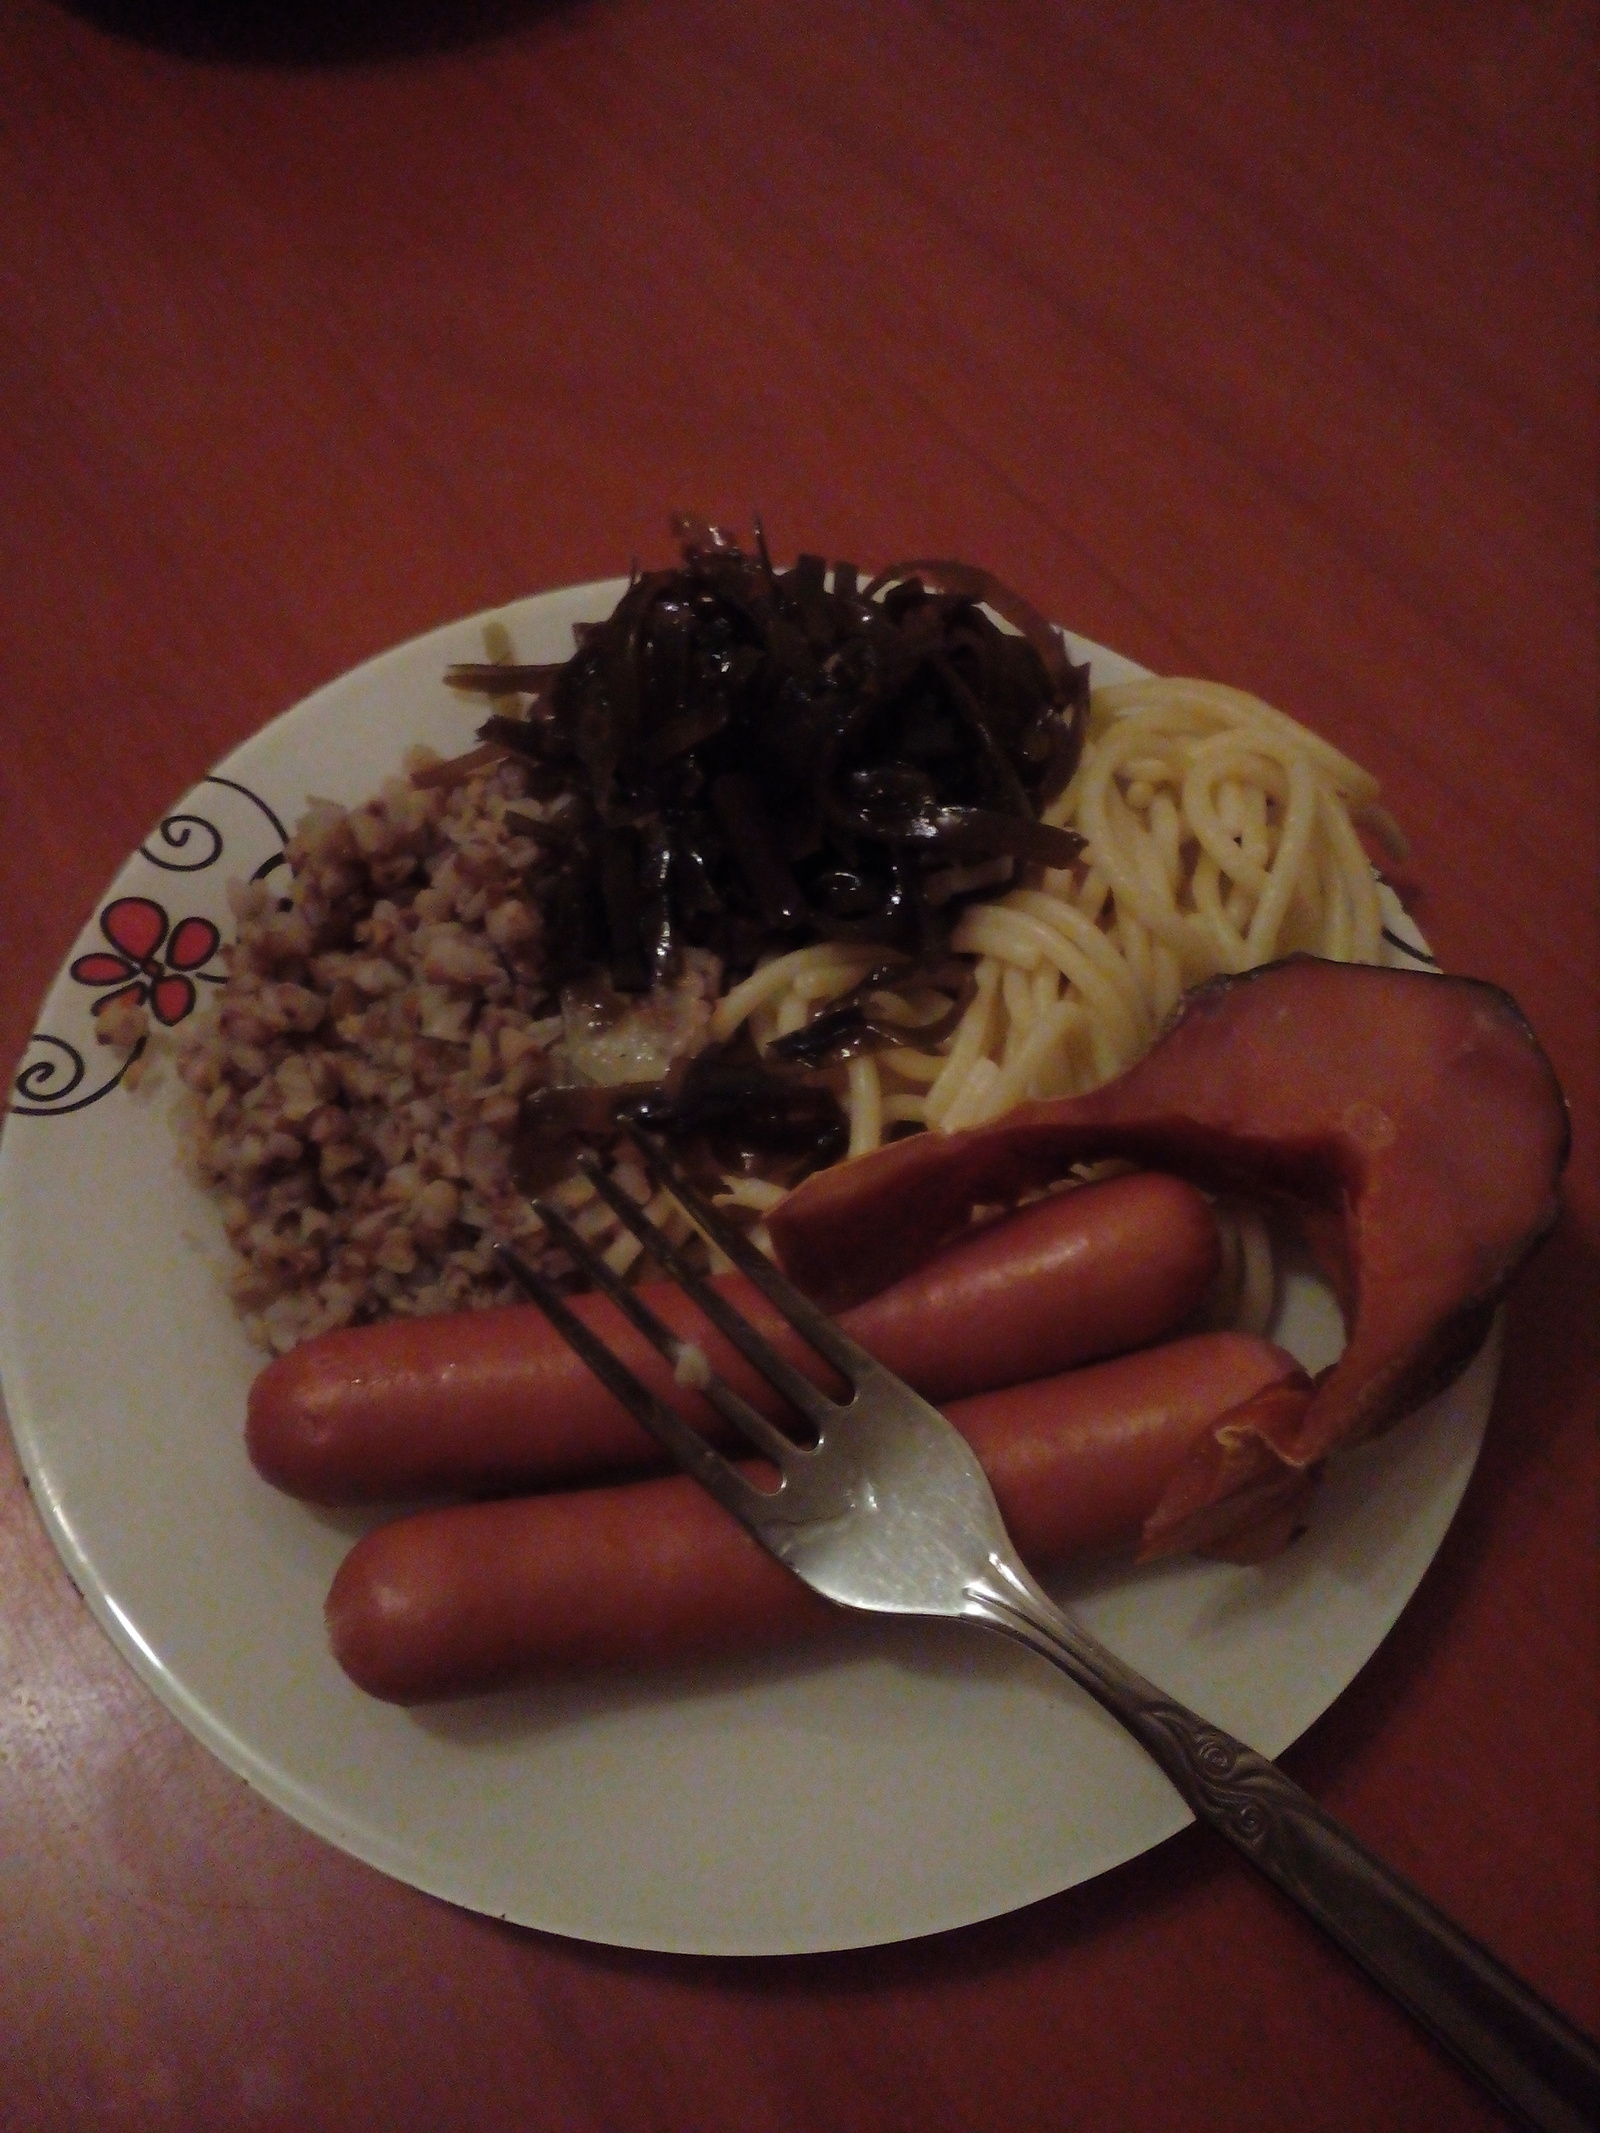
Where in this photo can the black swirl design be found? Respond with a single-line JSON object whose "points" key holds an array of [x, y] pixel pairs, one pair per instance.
{"points": [[177, 832], [34, 1080], [44, 1085]]}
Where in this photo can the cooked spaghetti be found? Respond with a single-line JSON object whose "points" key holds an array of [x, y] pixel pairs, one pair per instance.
{"points": [[1219, 835]]}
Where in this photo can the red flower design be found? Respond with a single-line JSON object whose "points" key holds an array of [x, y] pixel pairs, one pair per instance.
{"points": [[137, 927]]}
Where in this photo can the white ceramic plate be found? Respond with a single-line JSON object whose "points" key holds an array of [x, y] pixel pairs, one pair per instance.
{"points": [[899, 1783]]}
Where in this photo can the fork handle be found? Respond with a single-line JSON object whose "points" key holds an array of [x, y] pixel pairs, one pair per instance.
{"points": [[1541, 2067]]}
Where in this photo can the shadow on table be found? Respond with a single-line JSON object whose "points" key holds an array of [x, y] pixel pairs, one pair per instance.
{"points": [[310, 33]]}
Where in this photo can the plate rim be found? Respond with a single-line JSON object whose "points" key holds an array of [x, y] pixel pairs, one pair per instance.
{"points": [[304, 1802]]}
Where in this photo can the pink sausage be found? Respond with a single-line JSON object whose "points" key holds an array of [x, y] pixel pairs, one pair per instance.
{"points": [[486, 1401], [648, 1573]]}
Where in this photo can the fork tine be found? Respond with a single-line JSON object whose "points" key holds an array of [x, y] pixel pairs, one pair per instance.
{"points": [[732, 1406], [676, 1437], [820, 1332], [779, 1372]]}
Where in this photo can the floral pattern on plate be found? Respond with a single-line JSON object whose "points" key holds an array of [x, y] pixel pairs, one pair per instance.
{"points": [[220, 833]]}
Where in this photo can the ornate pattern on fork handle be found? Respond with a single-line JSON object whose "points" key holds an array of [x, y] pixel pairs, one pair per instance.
{"points": [[887, 1510], [1539, 2065]]}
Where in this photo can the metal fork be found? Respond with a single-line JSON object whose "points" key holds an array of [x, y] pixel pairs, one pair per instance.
{"points": [[886, 1509]]}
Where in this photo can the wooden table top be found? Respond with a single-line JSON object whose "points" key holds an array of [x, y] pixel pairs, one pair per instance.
{"points": [[1253, 341]]}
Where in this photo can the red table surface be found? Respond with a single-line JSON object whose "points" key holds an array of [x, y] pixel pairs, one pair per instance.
{"points": [[1254, 340]]}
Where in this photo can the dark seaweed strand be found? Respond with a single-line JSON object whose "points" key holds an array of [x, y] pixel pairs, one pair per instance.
{"points": [[1417, 955], [770, 758]]}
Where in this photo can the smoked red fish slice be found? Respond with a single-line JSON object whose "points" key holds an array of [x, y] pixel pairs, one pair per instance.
{"points": [[1410, 1122]]}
